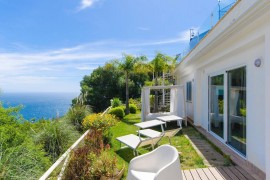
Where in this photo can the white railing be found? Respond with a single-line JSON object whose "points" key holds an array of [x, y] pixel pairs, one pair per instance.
{"points": [[66, 156]]}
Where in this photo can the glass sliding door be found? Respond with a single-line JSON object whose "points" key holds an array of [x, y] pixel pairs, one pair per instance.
{"points": [[216, 103], [237, 109]]}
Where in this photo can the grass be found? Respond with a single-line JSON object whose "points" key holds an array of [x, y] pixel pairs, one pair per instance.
{"points": [[189, 158]]}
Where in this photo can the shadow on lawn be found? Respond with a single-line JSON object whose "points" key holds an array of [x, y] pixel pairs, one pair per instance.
{"points": [[131, 121], [126, 154]]}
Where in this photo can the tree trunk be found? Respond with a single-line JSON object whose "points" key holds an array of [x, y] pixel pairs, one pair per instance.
{"points": [[127, 95]]}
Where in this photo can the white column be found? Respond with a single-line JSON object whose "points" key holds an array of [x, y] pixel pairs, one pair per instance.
{"points": [[266, 61]]}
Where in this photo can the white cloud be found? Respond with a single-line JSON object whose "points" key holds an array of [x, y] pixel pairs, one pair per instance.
{"points": [[183, 37], [86, 4], [143, 28], [47, 70]]}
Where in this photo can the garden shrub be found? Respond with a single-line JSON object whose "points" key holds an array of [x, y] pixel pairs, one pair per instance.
{"points": [[118, 112], [88, 164], [25, 161], [123, 107], [10, 115], [54, 138], [84, 160], [94, 140], [105, 165], [99, 129], [96, 121], [76, 114], [116, 102], [80, 164], [11, 136], [20, 157], [136, 102], [28, 149], [132, 108]]}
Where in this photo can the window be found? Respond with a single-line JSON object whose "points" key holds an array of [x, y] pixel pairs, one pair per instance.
{"points": [[189, 91]]}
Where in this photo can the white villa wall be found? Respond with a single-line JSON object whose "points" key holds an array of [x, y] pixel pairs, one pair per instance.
{"points": [[267, 103], [240, 44], [189, 105]]}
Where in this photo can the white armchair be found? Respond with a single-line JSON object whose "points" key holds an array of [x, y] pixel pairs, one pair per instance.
{"points": [[160, 164]]}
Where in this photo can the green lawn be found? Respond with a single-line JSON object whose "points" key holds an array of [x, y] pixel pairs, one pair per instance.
{"points": [[189, 158]]}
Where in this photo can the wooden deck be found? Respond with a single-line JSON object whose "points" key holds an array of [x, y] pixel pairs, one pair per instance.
{"points": [[217, 173]]}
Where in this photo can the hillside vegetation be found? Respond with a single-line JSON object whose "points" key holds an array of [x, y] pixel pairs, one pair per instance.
{"points": [[28, 149]]}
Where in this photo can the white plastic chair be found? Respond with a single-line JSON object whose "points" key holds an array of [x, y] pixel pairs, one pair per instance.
{"points": [[160, 164]]}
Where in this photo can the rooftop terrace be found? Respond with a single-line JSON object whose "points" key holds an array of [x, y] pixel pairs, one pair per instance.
{"points": [[197, 34]]}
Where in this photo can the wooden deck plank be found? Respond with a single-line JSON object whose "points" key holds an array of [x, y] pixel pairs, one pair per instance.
{"points": [[216, 173], [244, 173], [188, 175], [223, 173], [202, 174], [237, 173], [194, 174], [230, 173], [209, 174], [183, 175]]}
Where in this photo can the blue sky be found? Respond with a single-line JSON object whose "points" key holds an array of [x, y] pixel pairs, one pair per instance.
{"points": [[49, 45]]}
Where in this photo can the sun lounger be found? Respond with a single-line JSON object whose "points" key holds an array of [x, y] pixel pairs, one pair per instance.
{"points": [[152, 133], [134, 142]]}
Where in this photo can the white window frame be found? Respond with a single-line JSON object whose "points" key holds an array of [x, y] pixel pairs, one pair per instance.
{"points": [[189, 91]]}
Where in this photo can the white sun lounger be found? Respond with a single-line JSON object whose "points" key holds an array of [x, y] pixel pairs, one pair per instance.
{"points": [[152, 133], [134, 142]]}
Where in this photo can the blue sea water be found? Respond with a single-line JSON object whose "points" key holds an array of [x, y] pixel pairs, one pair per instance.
{"points": [[39, 105]]}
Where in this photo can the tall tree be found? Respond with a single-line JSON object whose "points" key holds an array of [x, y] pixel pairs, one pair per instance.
{"points": [[160, 65], [103, 84], [129, 64]]}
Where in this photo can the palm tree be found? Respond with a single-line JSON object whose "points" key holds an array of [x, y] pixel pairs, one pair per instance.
{"points": [[129, 64], [161, 64]]}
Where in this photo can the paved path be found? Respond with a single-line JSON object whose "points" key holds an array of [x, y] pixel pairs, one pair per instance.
{"points": [[211, 157]]}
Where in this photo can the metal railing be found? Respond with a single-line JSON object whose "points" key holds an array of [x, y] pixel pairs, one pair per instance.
{"points": [[197, 34]]}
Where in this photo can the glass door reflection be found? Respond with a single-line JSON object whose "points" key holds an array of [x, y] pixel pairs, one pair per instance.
{"points": [[216, 104], [237, 109]]}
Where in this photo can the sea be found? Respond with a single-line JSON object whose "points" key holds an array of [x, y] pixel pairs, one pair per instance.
{"points": [[39, 105]]}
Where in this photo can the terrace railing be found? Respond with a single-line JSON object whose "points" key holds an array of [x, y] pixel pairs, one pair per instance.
{"points": [[65, 156], [197, 34]]}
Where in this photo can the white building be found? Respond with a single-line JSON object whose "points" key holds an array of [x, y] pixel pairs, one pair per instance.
{"points": [[229, 74]]}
